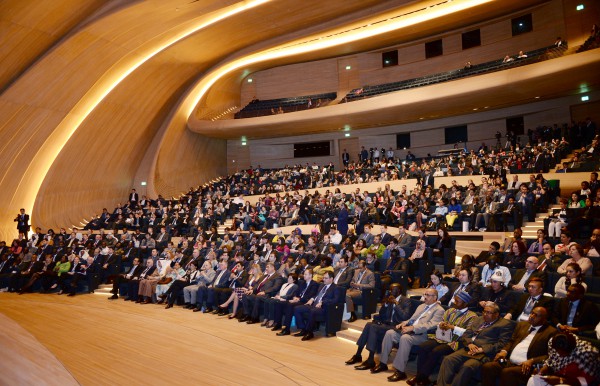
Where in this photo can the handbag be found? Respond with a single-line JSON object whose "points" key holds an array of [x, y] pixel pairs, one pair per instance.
{"points": [[165, 280], [443, 335]]}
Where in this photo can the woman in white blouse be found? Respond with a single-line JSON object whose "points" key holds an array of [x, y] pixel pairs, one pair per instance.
{"points": [[573, 274], [287, 291]]}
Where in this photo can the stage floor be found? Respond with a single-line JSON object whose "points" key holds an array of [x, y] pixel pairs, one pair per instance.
{"points": [[90, 340]]}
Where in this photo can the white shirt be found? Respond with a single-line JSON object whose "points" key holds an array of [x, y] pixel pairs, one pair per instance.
{"points": [[519, 353]]}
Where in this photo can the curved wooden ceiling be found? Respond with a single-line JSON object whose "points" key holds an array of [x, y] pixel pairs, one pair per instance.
{"points": [[94, 92]]}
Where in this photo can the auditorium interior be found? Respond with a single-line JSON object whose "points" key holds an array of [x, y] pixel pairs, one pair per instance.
{"points": [[146, 108]]}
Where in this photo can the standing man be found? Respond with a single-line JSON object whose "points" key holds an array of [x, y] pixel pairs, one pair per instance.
{"points": [[22, 221], [133, 198], [345, 158]]}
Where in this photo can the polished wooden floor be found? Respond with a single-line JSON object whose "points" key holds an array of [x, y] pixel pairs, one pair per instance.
{"points": [[101, 342]]}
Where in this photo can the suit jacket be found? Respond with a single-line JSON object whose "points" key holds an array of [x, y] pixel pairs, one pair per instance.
{"points": [[330, 296], [543, 301], [472, 289], [385, 239], [271, 285], [427, 321], [503, 299], [224, 281], [367, 279], [586, 317], [484, 256], [538, 348], [519, 275], [405, 241], [345, 277], [392, 314], [307, 291], [490, 339], [137, 271]]}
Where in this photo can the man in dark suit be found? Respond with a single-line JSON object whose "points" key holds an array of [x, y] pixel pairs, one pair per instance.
{"points": [[525, 198], [117, 280], [520, 281], [534, 298], [285, 310], [363, 219], [493, 251], [574, 314], [395, 309], [315, 307], [133, 199], [106, 265], [345, 158], [513, 364], [384, 235], [268, 287], [465, 283], [342, 275], [480, 343], [510, 210], [22, 220]]}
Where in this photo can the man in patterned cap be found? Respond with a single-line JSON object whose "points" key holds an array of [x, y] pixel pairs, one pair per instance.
{"points": [[454, 323]]}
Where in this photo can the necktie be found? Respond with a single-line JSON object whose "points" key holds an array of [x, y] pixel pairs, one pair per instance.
{"points": [[304, 290], [131, 271], [262, 283], [571, 316], [360, 277], [458, 290], [529, 306], [413, 322], [481, 328], [337, 277], [321, 294]]}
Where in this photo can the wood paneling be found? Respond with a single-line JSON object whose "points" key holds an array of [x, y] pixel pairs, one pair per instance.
{"points": [[30, 28]]}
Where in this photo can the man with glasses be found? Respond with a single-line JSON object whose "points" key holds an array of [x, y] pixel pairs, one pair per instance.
{"points": [[479, 344], [534, 298], [408, 333], [307, 314], [520, 281], [546, 258], [528, 347]]}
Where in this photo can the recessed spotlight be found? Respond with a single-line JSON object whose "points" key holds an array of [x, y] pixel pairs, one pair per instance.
{"points": [[249, 80], [585, 98], [537, 97]]}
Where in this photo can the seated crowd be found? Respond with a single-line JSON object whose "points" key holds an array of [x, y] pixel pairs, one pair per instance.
{"points": [[170, 252]]}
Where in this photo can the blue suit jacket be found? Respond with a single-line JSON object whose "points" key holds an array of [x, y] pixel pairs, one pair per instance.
{"points": [[330, 296]]}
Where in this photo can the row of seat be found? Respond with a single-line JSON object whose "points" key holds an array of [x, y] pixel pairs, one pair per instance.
{"points": [[491, 66]]}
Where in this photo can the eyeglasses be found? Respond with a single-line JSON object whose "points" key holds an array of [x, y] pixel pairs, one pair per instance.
{"points": [[428, 295], [489, 312]]}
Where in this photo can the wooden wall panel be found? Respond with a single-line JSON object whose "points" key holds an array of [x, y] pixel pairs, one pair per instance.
{"points": [[238, 157], [29, 28], [497, 41], [298, 79]]}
